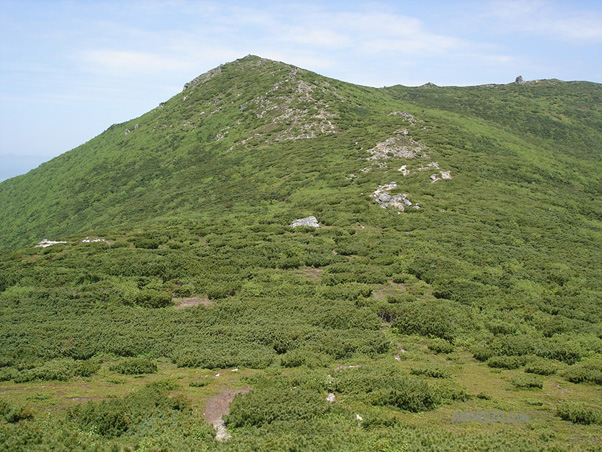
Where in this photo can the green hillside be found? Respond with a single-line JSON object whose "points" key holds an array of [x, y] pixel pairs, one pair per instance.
{"points": [[456, 270]]}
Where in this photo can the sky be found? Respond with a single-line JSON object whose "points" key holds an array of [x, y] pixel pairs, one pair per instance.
{"points": [[69, 69]]}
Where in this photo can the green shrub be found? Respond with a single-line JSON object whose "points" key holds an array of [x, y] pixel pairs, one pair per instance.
{"points": [[506, 362], [348, 291], [500, 327], [370, 276], [431, 370], [150, 298], [427, 319], [185, 290], [481, 352], [385, 387], [540, 367], [515, 345], [440, 346], [413, 396], [56, 370], [135, 366], [527, 382], [218, 291], [377, 417], [113, 418], [401, 298], [579, 413], [149, 244], [267, 405], [449, 391], [584, 373], [385, 311], [12, 413], [304, 357], [223, 355], [568, 352], [8, 373]]}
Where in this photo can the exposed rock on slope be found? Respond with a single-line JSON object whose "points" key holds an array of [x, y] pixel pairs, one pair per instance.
{"points": [[311, 222], [386, 200]]}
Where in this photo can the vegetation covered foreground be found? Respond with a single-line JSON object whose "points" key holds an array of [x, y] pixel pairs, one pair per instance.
{"points": [[384, 329]]}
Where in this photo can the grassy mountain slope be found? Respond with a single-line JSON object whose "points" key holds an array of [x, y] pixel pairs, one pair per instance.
{"points": [[175, 161], [485, 298]]}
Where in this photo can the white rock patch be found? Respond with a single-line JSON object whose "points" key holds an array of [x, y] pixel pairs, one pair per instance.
{"points": [[46, 243], [307, 221]]}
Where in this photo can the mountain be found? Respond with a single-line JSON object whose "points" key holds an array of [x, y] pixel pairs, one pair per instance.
{"points": [[249, 134], [455, 270]]}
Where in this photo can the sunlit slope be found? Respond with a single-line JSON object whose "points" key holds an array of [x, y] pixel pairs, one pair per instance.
{"points": [[257, 136]]}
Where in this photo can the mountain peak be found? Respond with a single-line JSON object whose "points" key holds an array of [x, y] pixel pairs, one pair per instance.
{"points": [[247, 62]]}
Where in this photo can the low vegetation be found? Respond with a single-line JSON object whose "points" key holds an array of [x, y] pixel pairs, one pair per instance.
{"points": [[365, 334]]}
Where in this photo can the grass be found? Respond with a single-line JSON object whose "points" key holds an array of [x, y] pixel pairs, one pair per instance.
{"points": [[472, 375]]}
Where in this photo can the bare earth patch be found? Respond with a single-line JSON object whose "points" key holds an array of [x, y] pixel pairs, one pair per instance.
{"points": [[390, 289], [218, 406], [183, 303], [312, 274]]}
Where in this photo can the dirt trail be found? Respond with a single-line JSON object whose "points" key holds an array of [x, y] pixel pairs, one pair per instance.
{"points": [[183, 303], [218, 406]]}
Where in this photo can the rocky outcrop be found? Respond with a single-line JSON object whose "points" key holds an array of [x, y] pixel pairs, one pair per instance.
{"points": [[95, 240], [442, 175], [405, 115], [396, 147], [428, 166], [297, 114], [519, 80], [203, 78], [311, 222], [386, 200]]}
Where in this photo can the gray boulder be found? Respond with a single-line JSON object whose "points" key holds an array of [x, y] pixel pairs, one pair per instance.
{"points": [[307, 221], [384, 197]]}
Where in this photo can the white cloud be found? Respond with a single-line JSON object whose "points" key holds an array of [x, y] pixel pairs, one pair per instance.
{"points": [[317, 36], [123, 61], [546, 18]]}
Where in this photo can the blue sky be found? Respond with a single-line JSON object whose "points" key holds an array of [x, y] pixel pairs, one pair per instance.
{"points": [[71, 68]]}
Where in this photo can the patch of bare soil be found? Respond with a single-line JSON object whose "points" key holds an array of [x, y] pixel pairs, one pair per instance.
{"points": [[390, 289], [561, 389], [183, 303], [312, 274], [217, 407]]}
